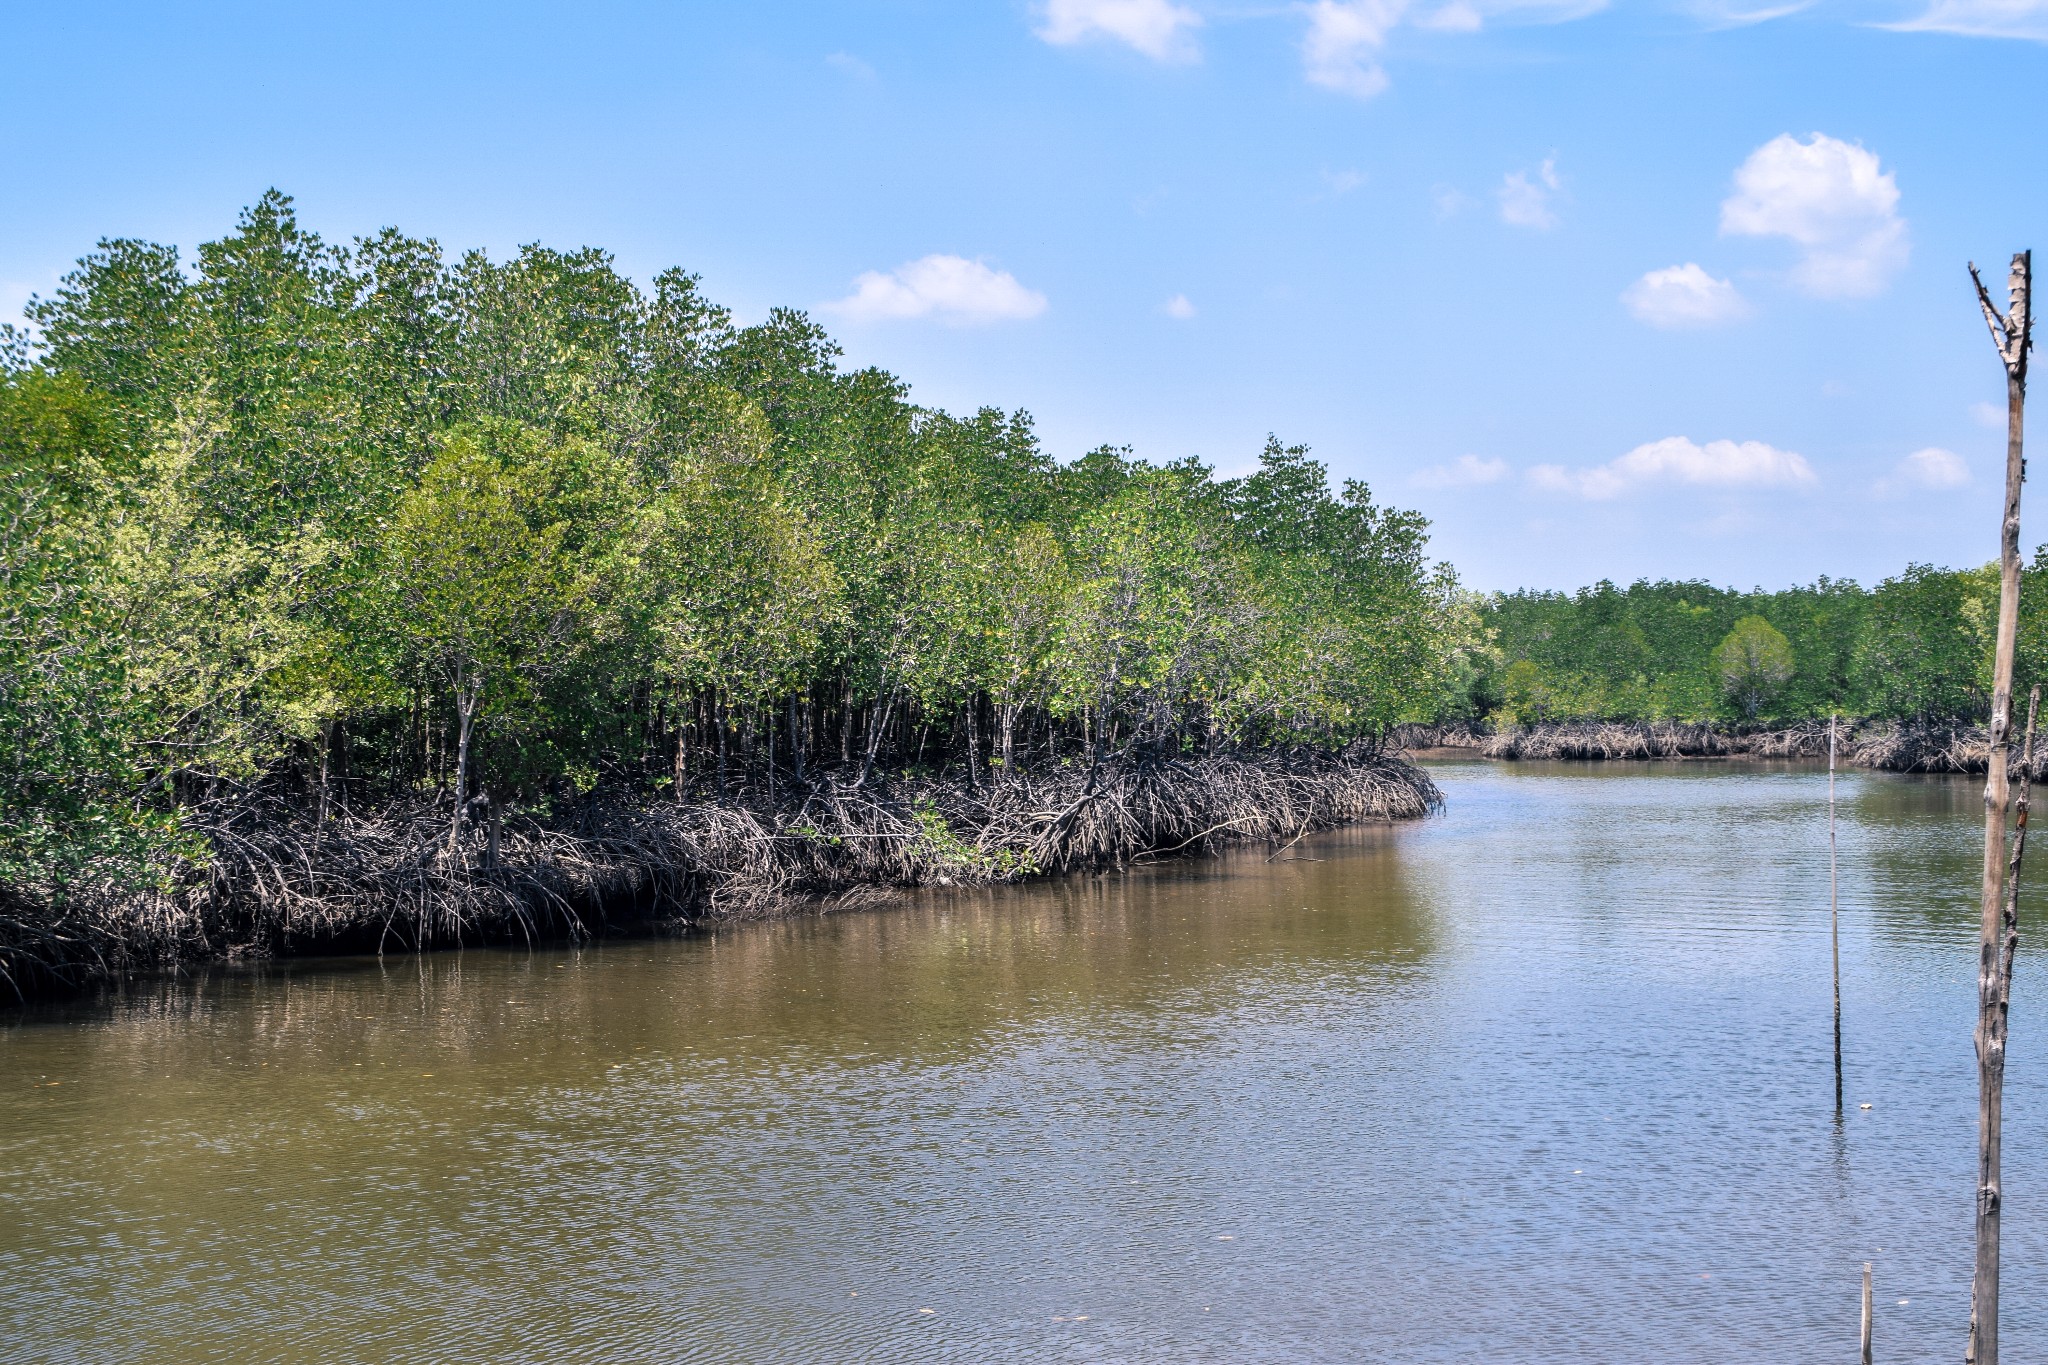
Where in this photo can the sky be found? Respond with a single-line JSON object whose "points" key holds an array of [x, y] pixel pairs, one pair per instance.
{"points": [[1650, 288]]}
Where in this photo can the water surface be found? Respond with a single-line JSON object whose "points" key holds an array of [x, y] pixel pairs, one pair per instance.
{"points": [[1546, 1078]]}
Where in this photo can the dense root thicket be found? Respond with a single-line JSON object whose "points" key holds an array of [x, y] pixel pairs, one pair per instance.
{"points": [[1893, 746], [1610, 740], [282, 880], [1457, 734], [1924, 748]]}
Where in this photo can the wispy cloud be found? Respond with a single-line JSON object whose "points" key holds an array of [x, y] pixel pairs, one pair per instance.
{"points": [[1342, 48], [1831, 198], [1526, 202], [1178, 307], [1988, 414], [1467, 471], [1158, 28], [1725, 14], [1983, 19], [948, 289], [846, 64], [1723, 465], [1684, 296], [1932, 470]]}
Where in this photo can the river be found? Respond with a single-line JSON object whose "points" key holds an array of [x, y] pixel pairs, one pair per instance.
{"points": [[1547, 1077]]}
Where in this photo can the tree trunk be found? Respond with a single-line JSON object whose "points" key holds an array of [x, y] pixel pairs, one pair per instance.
{"points": [[796, 740], [973, 746], [718, 714], [846, 726], [682, 741], [657, 733], [326, 751], [467, 694], [2012, 334], [878, 721], [497, 827]]}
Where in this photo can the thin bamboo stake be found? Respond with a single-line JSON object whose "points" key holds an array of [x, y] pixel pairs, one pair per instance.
{"points": [[2012, 334], [1866, 1313], [1834, 917]]}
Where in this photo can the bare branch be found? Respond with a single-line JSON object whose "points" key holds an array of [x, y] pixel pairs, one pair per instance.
{"points": [[2012, 333]]}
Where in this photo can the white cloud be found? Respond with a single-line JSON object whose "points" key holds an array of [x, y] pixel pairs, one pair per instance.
{"points": [[1984, 19], [1459, 16], [1929, 470], [1683, 296], [1343, 182], [1467, 471], [1525, 202], [1832, 199], [948, 288], [1345, 37], [1725, 14], [1156, 28], [1989, 414], [1179, 307], [849, 65], [1676, 460]]}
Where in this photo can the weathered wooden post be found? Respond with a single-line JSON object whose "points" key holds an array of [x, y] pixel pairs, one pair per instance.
{"points": [[1866, 1313], [2012, 334], [1834, 917]]}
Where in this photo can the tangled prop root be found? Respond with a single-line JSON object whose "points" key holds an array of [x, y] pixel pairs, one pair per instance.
{"points": [[1903, 746], [280, 880]]}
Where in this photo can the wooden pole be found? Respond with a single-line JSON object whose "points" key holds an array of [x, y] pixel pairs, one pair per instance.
{"points": [[1866, 1313], [1834, 917], [2012, 334]]}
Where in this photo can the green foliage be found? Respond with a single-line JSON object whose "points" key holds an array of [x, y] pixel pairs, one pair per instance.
{"points": [[368, 521], [1917, 646], [70, 761], [482, 596], [1754, 663], [737, 589], [1926, 644]]}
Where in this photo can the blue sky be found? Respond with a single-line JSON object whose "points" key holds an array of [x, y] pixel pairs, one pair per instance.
{"points": [[1636, 289]]}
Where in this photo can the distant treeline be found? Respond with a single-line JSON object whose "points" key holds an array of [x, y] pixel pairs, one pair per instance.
{"points": [[358, 522], [1915, 647]]}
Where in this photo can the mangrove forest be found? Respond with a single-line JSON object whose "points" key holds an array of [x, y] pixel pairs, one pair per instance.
{"points": [[360, 595]]}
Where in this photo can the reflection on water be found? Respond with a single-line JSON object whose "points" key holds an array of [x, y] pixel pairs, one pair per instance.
{"points": [[1547, 1078]]}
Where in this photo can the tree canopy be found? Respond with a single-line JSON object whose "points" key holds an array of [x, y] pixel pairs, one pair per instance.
{"points": [[1917, 646], [358, 521]]}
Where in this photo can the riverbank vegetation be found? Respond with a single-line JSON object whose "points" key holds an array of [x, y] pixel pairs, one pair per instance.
{"points": [[1684, 669], [1914, 650], [329, 570], [1895, 746]]}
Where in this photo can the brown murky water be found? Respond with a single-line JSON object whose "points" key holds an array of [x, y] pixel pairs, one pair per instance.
{"points": [[1547, 1078]]}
